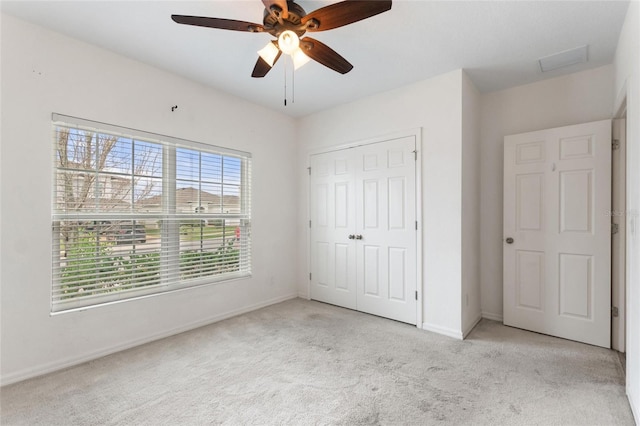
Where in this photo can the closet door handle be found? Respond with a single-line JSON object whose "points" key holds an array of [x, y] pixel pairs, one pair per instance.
{"points": [[358, 237], [352, 237]]}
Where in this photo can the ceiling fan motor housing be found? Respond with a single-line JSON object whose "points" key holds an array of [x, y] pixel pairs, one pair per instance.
{"points": [[275, 24]]}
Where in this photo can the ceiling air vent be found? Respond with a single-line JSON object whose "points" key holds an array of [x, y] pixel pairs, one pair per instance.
{"points": [[563, 59]]}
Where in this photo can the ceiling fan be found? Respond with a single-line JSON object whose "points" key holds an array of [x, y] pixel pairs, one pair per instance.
{"points": [[288, 22]]}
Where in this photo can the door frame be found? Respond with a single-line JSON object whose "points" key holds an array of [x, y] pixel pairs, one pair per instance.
{"points": [[619, 256], [416, 133]]}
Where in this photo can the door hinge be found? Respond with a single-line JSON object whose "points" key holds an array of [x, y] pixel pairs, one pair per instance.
{"points": [[416, 294], [416, 225], [309, 224], [309, 276], [415, 154], [615, 144], [614, 228], [614, 312], [309, 169]]}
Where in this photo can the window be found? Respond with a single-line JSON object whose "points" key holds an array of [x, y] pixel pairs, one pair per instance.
{"points": [[136, 213]]}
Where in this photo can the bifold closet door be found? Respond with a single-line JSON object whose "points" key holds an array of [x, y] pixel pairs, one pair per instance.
{"points": [[333, 214], [386, 222], [363, 228]]}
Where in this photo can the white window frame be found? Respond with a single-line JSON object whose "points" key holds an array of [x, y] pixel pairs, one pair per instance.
{"points": [[170, 235]]}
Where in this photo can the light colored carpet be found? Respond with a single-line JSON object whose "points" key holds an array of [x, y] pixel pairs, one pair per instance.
{"points": [[303, 362]]}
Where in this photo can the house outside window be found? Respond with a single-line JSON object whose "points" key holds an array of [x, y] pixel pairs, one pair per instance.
{"points": [[136, 213]]}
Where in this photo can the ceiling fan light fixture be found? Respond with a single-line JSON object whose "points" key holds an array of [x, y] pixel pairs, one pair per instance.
{"points": [[269, 53], [288, 42], [299, 58]]}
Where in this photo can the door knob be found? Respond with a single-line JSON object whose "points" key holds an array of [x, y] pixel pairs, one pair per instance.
{"points": [[509, 240], [352, 237], [358, 237]]}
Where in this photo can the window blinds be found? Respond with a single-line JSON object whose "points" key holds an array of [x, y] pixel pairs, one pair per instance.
{"points": [[136, 214]]}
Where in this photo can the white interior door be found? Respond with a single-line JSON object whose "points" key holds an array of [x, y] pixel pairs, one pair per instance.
{"points": [[557, 233], [333, 214], [363, 236], [386, 215]]}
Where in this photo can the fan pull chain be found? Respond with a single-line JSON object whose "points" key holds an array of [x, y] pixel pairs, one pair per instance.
{"points": [[285, 82], [293, 80]]}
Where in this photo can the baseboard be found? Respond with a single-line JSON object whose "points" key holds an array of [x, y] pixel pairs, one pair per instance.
{"points": [[471, 326], [635, 410], [492, 316], [304, 295], [70, 362], [456, 334]]}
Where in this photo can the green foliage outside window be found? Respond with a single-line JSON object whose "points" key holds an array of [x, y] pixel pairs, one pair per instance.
{"points": [[195, 263], [91, 267]]}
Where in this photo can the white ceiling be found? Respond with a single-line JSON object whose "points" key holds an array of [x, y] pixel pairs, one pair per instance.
{"points": [[498, 43]]}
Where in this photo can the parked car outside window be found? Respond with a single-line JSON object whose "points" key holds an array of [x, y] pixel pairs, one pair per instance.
{"points": [[131, 234]]}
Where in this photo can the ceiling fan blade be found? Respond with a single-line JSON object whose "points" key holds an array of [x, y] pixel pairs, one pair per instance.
{"points": [[262, 67], [325, 55], [282, 4], [344, 13], [223, 24]]}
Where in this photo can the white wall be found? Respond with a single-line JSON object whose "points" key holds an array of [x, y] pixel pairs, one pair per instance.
{"points": [[627, 85], [572, 99], [44, 72], [471, 312], [435, 105]]}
